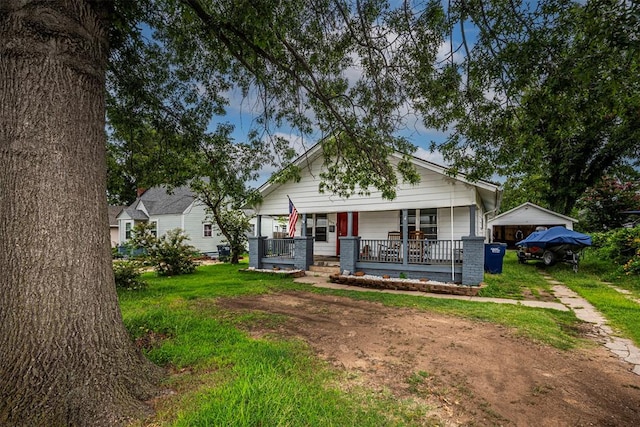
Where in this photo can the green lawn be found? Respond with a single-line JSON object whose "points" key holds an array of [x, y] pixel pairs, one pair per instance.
{"points": [[515, 280], [593, 282], [222, 376]]}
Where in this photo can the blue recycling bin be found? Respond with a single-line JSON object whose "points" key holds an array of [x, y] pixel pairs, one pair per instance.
{"points": [[224, 250], [493, 256]]}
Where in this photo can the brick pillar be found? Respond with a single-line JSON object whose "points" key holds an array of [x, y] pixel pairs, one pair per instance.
{"points": [[256, 251], [473, 260], [349, 250], [303, 252]]}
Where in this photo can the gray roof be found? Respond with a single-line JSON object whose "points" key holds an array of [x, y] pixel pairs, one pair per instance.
{"points": [[136, 215], [114, 211], [160, 201]]}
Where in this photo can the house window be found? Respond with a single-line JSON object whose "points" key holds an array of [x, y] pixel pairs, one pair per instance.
{"points": [[309, 228], [207, 230], [425, 220], [429, 223], [154, 228], [127, 230], [321, 227]]}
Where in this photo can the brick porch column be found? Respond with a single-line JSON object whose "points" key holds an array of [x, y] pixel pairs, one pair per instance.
{"points": [[349, 250], [473, 260], [256, 251], [303, 252]]}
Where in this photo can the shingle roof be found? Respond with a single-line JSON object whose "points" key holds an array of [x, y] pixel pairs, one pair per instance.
{"points": [[159, 201], [136, 214], [114, 211]]}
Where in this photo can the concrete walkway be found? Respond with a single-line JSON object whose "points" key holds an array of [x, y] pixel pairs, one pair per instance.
{"points": [[623, 348], [321, 281]]}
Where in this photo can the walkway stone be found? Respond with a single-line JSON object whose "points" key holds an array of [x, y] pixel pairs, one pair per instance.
{"points": [[623, 348]]}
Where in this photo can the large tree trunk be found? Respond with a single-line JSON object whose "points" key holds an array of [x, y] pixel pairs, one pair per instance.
{"points": [[65, 356]]}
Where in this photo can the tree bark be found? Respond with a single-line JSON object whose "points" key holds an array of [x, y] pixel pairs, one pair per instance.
{"points": [[65, 355]]}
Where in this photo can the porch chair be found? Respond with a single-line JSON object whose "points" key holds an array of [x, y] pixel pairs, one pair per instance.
{"points": [[418, 247], [391, 250]]}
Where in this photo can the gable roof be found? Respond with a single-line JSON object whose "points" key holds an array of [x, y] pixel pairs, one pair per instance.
{"points": [[527, 205], [113, 212], [160, 201], [488, 191]]}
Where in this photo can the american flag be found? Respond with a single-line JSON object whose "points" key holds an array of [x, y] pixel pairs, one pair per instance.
{"points": [[293, 219]]}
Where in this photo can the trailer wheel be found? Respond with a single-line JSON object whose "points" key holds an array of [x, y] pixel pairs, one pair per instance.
{"points": [[549, 258]]}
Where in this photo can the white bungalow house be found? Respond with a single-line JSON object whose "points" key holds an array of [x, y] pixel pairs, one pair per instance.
{"points": [[167, 210], [427, 221], [525, 218]]}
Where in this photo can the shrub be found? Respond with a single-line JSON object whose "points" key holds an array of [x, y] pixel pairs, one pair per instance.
{"points": [[632, 267], [619, 245], [169, 254], [622, 246], [127, 275], [172, 256]]}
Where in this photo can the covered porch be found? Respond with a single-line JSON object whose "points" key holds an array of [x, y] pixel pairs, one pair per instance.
{"points": [[407, 253]]}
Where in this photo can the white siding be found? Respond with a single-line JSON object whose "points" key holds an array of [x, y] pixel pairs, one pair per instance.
{"points": [[376, 225], [460, 223], [434, 190], [193, 220], [531, 215], [122, 226], [166, 222], [328, 247]]}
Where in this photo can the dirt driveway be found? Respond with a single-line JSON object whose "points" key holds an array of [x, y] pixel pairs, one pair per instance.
{"points": [[471, 373]]}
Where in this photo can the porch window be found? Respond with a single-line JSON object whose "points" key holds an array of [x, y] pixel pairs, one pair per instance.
{"points": [[425, 220], [127, 230], [207, 230], [321, 227], [429, 223]]}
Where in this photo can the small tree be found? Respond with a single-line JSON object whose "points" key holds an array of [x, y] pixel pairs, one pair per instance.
{"points": [[227, 167], [169, 253], [236, 225]]}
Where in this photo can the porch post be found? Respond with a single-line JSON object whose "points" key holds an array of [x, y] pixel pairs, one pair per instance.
{"points": [[303, 232], [349, 251], [473, 260], [256, 251], [349, 224], [258, 232], [472, 220], [304, 252], [405, 236]]}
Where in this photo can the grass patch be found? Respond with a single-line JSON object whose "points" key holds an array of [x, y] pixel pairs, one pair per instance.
{"points": [[516, 280], [621, 312], [223, 376]]}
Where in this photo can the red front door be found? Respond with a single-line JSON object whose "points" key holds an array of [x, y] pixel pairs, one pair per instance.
{"points": [[343, 222]]}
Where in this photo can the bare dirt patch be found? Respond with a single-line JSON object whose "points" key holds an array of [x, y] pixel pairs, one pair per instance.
{"points": [[471, 373]]}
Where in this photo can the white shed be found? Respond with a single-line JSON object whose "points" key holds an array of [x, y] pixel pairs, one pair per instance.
{"points": [[526, 218]]}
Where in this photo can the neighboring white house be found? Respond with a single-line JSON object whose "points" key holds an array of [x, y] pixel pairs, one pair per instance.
{"points": [[168, 210], [114, 230], [526, 218], [442, 207]]}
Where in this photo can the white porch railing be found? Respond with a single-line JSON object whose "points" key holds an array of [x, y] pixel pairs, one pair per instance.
{"points": [[280, 248], [419, 251]]}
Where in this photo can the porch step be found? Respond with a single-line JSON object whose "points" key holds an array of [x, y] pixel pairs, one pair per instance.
{"points": [[331, 269]]}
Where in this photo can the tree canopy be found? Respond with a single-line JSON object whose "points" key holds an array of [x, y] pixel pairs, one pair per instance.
{"points": [[549, 89]]}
